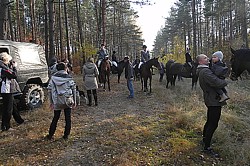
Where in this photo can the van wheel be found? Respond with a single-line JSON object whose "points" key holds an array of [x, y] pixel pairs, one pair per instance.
{"points": [[33, 96]]}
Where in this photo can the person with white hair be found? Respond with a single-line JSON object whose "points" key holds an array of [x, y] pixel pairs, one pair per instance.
{"points": [[7, 75]]}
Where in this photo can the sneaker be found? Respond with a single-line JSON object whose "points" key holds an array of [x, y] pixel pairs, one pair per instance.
{"points": [[130, 97], [210, 151], [10, 129], [223, 97]]}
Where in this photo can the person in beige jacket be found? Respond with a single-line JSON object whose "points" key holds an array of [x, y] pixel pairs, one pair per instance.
{"points": [[90, 74]]}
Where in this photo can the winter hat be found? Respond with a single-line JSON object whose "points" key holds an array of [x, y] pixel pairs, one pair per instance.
{"points": [[218, 54]]}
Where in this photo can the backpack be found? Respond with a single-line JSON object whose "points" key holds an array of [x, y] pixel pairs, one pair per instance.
{"points": [[67, 97]]}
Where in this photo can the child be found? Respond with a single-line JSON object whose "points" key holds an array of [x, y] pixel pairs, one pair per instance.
{"points": [[220, 70]]}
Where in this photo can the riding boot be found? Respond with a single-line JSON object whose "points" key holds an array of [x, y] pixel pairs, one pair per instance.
{"points": [[95, 97], [90, 99]]}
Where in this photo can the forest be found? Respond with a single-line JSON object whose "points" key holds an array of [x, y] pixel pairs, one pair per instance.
{"points": [[161, 128], [75, 29]]}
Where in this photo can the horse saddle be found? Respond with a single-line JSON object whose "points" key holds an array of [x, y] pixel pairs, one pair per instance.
{"points": [[186, 70]]}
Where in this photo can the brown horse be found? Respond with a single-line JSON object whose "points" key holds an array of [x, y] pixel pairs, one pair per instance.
{"points": [[104, 70], [146, 73]]}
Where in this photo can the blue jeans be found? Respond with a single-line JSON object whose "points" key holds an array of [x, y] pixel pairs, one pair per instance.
{"points": [[130, 87]]}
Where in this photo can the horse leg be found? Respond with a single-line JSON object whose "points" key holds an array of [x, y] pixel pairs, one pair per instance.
{"points": [[104, 81], [119, 76], [174, 79], [108, 81], [150, 80], [141, 83], [167, 80], [194, 82], [145, 84]]}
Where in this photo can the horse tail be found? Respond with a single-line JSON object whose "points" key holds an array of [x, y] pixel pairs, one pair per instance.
{"points": [[168, 65]]}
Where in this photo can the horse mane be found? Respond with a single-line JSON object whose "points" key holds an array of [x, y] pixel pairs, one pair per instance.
{"points": [[242, 54]]}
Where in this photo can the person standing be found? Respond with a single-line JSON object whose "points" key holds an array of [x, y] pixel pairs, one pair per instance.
{"points": [[90, 74], [52, 66], [209, 82], [7, 76], [161, 71], [129, 76], [60, 84]]}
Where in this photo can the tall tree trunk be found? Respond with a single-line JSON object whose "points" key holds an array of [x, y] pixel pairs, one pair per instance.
{"points": [[194, 29], [104, 21], [10, 24], [46, 42], [19, 22], [51, 30], [61, 51], [67, 32], [80, 34], [3, 9], [244, 24], [33, 20], [230, 22]]}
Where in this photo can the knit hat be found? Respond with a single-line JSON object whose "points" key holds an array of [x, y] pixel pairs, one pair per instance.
{"points": [[218, 54]]}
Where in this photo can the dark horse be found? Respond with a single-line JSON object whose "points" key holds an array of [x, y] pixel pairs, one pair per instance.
{"points": [[174, 69], [240, 61], [118, 69], [104, 75], [136, 72], [146, 73]]}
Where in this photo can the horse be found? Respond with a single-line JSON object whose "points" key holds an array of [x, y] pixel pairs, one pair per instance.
{"points": [[240, 61], [174, 69], [118, 69], [104, 70], [146, 73], [136, 72]]}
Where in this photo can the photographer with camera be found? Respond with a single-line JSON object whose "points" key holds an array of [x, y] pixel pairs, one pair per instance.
{"points": [[8, 87]]}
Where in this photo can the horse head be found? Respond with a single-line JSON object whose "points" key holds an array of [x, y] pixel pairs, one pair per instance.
{"points": [[240, 61], [156, 63]]}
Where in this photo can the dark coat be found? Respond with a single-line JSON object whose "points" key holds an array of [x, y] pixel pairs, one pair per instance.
{"points": [[188, 57], [129, 71], [209, 82], [219, 69]]}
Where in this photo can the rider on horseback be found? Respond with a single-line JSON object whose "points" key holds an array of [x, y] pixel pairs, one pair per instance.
{"points": [[188, 58], [144, 55], [189, 61], [102, 54]]}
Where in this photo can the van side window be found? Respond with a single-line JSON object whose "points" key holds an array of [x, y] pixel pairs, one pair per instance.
{"points": [[4, 50]]}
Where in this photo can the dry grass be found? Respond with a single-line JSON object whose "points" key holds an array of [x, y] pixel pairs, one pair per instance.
{"points": [[163, 128]]}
